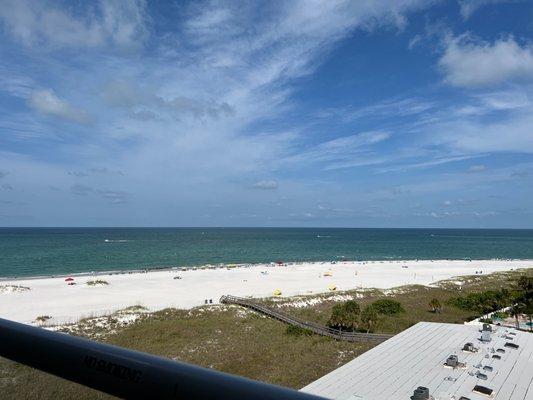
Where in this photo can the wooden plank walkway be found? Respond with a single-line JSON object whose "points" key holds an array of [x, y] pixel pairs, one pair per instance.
{"points": [[313, 327]]}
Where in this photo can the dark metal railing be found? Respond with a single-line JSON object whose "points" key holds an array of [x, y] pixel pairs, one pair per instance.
{"points": [[312, 326], [127, 373]]}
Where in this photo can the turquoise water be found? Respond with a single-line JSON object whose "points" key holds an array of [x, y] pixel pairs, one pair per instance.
{"points": [[49, 251]]}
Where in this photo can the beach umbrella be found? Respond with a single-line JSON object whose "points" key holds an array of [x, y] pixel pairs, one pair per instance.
{"points": [[277, 292], [279, 262], [332, 287], [69, 279]]}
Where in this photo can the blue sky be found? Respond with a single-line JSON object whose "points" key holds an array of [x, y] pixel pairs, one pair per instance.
{"points": [[385, 113]]}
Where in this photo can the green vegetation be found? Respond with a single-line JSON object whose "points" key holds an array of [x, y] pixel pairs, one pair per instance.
{"points": [[348, 315], [369, 318], [238, 341], [484, 302], [524, 298], [388, 307], [345, 316], [97, 282], [297, 331], [435, 306]]}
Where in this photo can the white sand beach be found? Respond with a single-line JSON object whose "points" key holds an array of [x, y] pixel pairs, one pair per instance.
{"points": [[156, 290]]}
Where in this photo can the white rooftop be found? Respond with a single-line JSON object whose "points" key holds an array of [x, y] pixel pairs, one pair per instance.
{"points": [[416, 357]]}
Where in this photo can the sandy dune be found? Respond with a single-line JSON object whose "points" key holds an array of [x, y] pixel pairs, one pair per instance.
{"points": [[157, 289]]}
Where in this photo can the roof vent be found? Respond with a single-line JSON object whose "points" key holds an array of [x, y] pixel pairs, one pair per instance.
{"points": [[497, 357], [500, 351], [487, 368], [511, 345], [479, 375], [464, 398], [482, 390], [420, 393]]}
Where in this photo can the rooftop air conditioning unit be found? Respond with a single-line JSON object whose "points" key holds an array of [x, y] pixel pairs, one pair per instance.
{"points": [[452, 361], [469, 348]]}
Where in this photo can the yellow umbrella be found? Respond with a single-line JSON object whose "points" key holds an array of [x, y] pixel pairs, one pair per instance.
{"points": [[277, 292], [328, 273], [332, 287]]}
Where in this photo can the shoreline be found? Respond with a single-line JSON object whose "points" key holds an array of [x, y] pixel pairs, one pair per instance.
{"points": [[25, 299], [239, 265]]}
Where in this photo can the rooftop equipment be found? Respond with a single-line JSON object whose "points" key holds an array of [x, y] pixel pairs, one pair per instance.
{"points": [[482, 390], [497, 357], [485, 333], [469, 348], [452, 361], [511, 345], [420, 393], [482, 376], [487, 368]]}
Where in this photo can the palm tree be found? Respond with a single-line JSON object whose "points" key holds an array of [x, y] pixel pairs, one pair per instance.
{"points": [[337, 316], [528, 310], [351, 314], [369, 317], [435, 306], [516, 311], [345, 315]]}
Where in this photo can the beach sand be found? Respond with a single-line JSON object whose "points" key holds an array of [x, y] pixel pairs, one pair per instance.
{"points": [[156, 290]]}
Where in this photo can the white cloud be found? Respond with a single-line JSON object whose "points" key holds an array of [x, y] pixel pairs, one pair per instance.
{"points": [[472, 63], [469, 7], [266, 185], [477, 168], [38, 24], [46, 102]]}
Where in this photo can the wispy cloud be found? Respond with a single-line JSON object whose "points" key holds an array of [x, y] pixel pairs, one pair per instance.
{"points": [[469, 7], [266, 185], [38, 24]]}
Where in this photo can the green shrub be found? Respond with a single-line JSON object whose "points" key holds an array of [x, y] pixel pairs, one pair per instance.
{"points": [[388, 307], [97, 282], [297, 331], [484, 302], [345, 315]]}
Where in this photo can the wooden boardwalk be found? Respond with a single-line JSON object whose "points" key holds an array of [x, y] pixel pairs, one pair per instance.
{"points": [[313, 327]]}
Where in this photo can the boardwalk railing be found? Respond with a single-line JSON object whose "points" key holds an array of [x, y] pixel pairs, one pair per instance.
{"points": [[313, 327]]}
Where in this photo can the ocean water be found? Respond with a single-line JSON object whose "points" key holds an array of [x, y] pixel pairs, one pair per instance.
{"points": [[50, 251]]}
